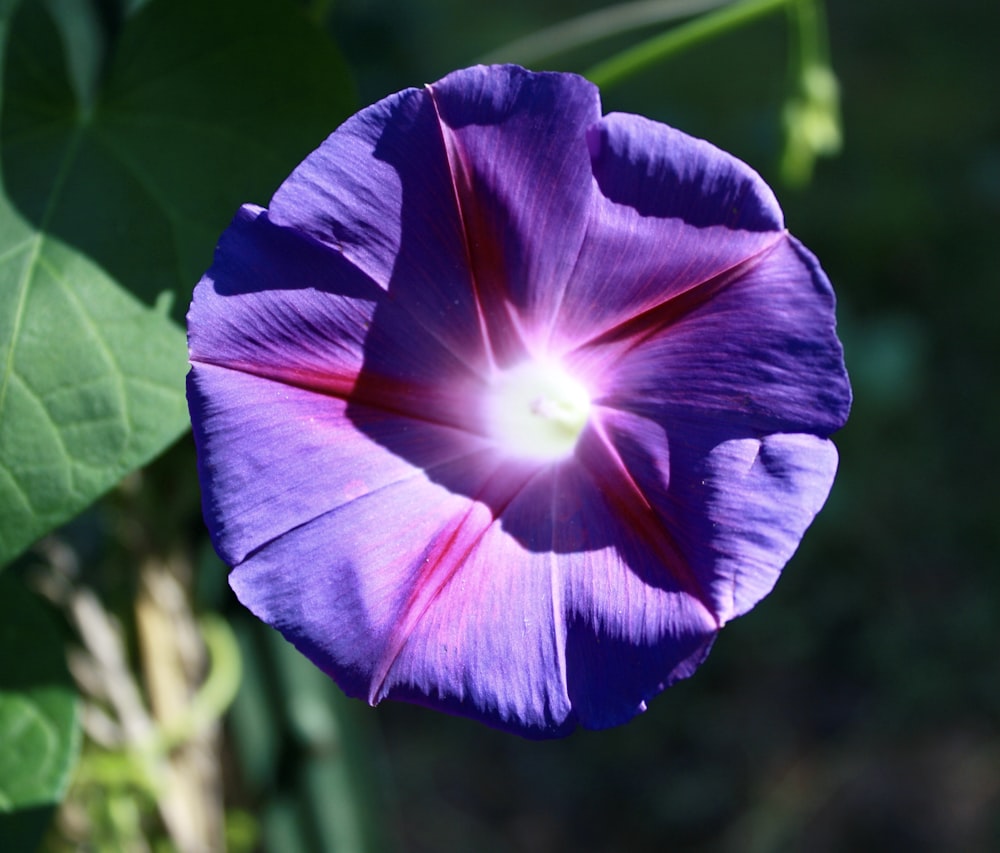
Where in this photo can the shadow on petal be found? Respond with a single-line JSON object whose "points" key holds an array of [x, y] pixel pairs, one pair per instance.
{"points": [[609, 677]]}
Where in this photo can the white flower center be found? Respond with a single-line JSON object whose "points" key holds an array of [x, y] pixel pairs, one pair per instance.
{"points": [[536, 410]]}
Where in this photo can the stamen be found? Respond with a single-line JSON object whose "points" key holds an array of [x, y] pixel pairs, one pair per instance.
{"points": [[536, 410]]}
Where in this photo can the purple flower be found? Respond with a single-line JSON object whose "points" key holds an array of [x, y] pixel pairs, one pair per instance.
{"points": [[505, 407]]}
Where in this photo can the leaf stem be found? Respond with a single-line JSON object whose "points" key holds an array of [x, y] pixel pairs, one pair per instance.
{"points": [[644, 54]]}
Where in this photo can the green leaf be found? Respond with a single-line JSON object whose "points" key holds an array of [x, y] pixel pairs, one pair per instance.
{"points": [[93, 384], [39, 726], [206, 104], [111, 208]]}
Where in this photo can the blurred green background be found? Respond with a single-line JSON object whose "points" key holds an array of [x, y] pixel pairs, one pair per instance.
{"points": [[857, 708]]}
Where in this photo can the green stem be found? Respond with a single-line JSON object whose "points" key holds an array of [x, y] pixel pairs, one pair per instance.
{"points": [[811, 115], [808, 30], [680, 38], [214, 696], [592, 27]]}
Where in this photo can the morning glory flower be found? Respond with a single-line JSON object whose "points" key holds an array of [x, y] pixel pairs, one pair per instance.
{"points": [[506, 407]]}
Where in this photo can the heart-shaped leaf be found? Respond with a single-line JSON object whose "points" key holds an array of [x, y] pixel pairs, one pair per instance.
{"points": [[119, 171]]}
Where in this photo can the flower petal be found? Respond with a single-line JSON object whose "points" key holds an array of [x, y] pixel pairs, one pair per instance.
{"points": [[758, 353], [673, 213], [521, 168], [632, 267], [724, 511], [279, 305], [340, 603], [481, 149], [349, 193], [632, 626], [760, 495], [409, 607], [273, 456], [379, 191], [665, 173], [501, 609]]}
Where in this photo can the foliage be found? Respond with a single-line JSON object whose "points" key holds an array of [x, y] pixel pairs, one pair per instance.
{"points": [[120, 169], [129, 136]]}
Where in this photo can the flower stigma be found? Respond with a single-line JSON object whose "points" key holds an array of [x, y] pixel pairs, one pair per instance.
{"points": [[537, 410]]}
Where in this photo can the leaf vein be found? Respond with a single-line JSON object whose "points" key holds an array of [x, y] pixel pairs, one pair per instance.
{"points": [[116, 373], [173, 215]]}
